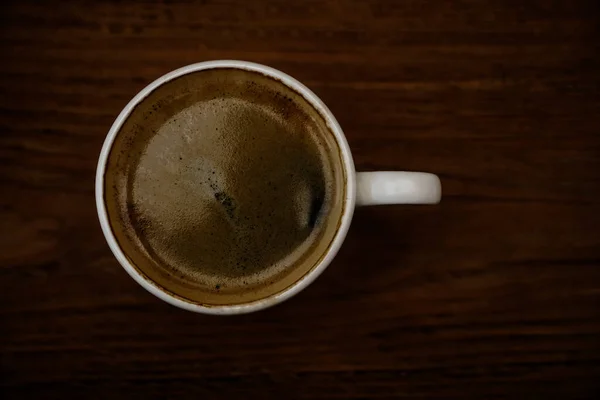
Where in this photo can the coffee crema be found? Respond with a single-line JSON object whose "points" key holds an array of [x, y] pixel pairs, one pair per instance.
{"points": [[224, 186]]}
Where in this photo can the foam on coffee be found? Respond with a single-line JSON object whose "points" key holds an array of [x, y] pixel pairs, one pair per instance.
{"points": [[224, 182]]}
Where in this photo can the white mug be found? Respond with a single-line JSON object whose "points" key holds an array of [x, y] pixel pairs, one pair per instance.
{"points": [[361, 189]]}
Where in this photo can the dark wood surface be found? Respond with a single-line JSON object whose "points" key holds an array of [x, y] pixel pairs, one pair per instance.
{"points": [[493, 293]]}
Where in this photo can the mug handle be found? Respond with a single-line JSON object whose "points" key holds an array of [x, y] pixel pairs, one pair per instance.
{"points": [[397, 187]]}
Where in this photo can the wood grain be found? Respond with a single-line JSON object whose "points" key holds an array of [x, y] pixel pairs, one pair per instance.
{"points": [[495, 293]]}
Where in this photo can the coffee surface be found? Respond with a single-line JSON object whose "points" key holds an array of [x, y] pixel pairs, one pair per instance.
{"points": [[224, 179]]}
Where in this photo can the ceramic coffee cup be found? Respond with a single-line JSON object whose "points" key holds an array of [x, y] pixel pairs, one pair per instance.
{"points": [[359, 189]]}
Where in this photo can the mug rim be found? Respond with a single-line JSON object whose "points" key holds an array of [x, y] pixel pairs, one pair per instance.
{"points": [[349, 196]]}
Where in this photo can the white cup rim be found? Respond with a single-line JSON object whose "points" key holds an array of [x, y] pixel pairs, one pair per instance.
{"points": [[296, 287]]}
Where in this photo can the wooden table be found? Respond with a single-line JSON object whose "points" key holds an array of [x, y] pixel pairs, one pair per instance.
{"points": [[493, 293]]}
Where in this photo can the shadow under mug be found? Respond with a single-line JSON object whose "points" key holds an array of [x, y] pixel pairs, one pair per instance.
{"points": [[361, 189]]}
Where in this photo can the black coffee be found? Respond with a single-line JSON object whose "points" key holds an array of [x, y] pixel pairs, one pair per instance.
{"points": [[222, 180]]}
